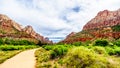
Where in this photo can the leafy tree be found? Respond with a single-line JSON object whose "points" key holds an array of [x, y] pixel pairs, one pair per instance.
{"points": [[101, 43]]}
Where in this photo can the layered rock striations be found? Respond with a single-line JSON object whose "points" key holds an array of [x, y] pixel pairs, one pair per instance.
{"points": [[105, 25], [11, 29], [104, 19]]}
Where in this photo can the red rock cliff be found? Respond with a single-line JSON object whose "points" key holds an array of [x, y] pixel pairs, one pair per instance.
{"points": [[103, 19]]}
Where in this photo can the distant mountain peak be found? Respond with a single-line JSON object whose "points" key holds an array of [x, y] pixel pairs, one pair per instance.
{"points": [[2, 16], [103, 19], [105, 25], [9, 28]]}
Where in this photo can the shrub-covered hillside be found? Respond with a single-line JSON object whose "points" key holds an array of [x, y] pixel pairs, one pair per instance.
{"points": [[100, 53]]}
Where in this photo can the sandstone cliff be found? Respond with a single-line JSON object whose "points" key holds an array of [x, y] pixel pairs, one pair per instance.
{"points": [[104, 19], [105, 25], [9, 28]]}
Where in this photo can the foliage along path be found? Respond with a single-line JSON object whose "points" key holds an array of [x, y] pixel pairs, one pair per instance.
{"points": [[25, 59]]}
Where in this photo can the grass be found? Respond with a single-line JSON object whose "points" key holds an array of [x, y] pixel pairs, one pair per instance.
{"points": [[8, 51], [4, 55], [42, 57], [17, 47]]}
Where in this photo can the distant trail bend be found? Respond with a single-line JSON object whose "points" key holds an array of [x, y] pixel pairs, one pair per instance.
{"points": [[25, 59]]}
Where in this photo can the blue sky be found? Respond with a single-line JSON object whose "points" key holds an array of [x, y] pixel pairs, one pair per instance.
{"points": [[55, 18]]}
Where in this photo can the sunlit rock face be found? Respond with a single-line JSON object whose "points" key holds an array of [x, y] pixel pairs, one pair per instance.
{"points": [[7, 24], [104, 19], [9, 28], [105, 25]]}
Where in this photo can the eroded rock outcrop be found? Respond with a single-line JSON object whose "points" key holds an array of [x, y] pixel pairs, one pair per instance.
{"points": [[9, 28], [105, 25], [104, 19]]}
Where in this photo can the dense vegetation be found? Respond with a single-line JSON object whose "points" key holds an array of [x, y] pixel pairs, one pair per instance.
{"points": [[4, 55], [100, 53], [116, 28], [8, 41]]}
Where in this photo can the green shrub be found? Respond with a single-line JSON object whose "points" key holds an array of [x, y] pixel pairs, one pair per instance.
{"points": [[48, 47], [87, 43], [116, 28], [101, 43], [58, 51], [39, 43], [1, 41], [60, 43], [117, 42], [15, 42], [22, 42], [42, 56], [77, 43], [113, 50], [4, 55], [99, 50], [110, 50], [117, 50], [18, 47], [81, 57]]}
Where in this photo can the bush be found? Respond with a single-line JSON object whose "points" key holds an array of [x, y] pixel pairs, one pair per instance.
{"points": [[60, 43], [48, 47], [58, 51], [12, 47], [117, 50], [77, 43], [15, 42], [81, 57], [110, 50], [117, 42], [1, 41], [101, 43], [87, 43], [113, 50], [99, 50], [42, 56], [116, 28]]}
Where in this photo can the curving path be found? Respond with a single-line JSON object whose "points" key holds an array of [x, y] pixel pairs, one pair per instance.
{"points": [[25, 59]]}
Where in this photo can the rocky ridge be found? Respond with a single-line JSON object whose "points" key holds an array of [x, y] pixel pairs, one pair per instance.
{"points": [[104, 19], [105, 25], [9, 28]]}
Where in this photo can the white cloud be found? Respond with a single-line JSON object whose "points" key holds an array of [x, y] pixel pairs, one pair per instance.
{"points": [[55, 17]]}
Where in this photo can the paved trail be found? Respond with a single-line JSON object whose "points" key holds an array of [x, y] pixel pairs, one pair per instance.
{"points": [[25, 59]]}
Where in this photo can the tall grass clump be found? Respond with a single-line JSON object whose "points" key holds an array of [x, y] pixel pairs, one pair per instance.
{"points": [[99, 50], [42, 56]]}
